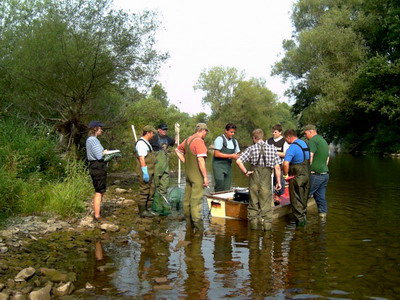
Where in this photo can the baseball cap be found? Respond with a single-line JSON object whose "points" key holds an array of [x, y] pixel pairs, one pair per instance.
{"points": [[163, 126], [201, 126], [94, 124], [310, 127], [148, 128]]}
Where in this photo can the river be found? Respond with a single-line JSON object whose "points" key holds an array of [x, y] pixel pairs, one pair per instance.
{"points": [[353, 254]]}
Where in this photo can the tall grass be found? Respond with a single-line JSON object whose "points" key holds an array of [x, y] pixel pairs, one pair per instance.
{"points": [[33, 177], [69, 195]]}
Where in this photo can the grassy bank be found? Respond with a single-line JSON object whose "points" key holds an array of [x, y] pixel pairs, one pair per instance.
{"points": [[33, 176]]}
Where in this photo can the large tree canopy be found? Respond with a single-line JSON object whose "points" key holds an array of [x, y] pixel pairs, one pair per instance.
{"points": [[64, 60], [247, 103], [343, 64]]}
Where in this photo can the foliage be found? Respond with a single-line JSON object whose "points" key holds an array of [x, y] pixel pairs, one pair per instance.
{"points": [[62, 60], [219, 84], [249, 104], [33, 177], [25, 150], [69, 195], [343, 65]]}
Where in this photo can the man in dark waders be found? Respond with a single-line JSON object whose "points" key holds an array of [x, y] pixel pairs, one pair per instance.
{"points": [[145, 170], [296, 163], [160, 143], [226, 148], [193, 152], [263, 159]]}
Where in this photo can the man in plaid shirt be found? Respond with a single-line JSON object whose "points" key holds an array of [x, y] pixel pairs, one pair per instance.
{"points": [[262, 158]]}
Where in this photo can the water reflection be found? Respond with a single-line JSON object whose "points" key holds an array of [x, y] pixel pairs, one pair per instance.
{"points": [[196, 283], [353, 254]]}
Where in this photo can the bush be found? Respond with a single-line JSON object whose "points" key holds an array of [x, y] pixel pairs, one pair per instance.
{"points": [[33, 177], [26, 149], [69, 196], [12, 189]]}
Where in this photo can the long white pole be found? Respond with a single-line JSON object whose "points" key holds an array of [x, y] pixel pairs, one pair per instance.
{"points": [[134, 132], [177, 129]]}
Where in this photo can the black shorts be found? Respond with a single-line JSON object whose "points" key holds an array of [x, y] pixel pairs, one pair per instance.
{"points": [[98, 172]]}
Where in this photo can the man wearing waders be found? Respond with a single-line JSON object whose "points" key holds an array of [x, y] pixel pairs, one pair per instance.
{"points": [[193, 152], [226, 148], [160, 143], [263, 158], [145, 170], [296, 163]]}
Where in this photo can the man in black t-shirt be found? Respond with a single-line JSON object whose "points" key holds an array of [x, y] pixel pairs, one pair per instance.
{"points": [[160, 142], [281, 146]]}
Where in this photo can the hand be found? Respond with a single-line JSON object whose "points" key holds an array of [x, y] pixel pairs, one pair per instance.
{"points": [[205, 181], [278, 186], [146, 176], [235, 156], [105, 151], [248, 173]]}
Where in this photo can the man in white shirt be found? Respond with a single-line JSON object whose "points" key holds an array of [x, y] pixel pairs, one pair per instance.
{"points": [[145, 169]]}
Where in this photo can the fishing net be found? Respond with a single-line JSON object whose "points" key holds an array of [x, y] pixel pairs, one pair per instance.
{"points": [[175, 197]]}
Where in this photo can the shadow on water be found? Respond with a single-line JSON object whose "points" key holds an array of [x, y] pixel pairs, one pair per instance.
{"points": [[353, 254]]}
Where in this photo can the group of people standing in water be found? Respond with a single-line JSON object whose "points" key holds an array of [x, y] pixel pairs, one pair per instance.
{"points": [[280, 156]]}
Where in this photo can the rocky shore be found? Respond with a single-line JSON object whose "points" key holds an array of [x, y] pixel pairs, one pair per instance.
{"points": [[43, 257]]}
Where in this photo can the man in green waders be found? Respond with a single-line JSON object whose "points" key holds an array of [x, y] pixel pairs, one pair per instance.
{"points": [[145, 170], [226, 148], [160, 143], [263, 158], [296, 163], [193, 152]]}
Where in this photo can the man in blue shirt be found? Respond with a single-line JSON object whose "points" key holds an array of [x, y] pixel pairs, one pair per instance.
{"points": [[226, 148], [296, 163]]}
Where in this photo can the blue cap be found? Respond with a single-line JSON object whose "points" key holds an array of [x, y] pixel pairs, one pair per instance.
{"points": [[163, 126], [94, 124]]}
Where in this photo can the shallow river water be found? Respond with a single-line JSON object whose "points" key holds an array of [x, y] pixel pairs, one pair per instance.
{"points": [[353, 254]]}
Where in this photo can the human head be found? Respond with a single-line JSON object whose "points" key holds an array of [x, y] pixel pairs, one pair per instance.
{"points": [[258, 134], [202, 129], [230, 130], [290, 135], [276, 131], [95, 128], [310, 131], [148, 131], [162, 129]]}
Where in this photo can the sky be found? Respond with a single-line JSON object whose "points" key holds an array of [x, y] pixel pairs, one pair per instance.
{"points": [[199, 35]]}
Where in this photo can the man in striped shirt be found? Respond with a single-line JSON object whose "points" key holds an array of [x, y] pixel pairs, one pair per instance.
{"points": [[97, 166], [263, 158]]}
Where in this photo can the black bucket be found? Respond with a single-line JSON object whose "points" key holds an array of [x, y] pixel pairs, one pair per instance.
{"points": [[241, 195]]}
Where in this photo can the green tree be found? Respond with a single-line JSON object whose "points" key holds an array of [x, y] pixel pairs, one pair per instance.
{"points": [[158, 93], [219, 85], [64, 61], [249, 104], [343, 65]]}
